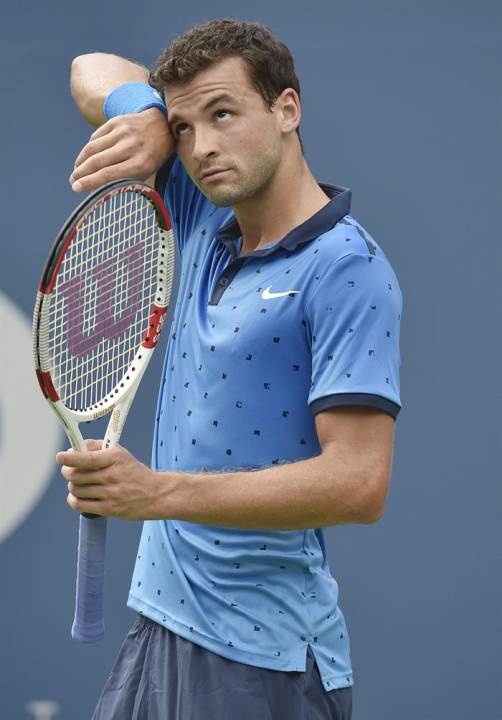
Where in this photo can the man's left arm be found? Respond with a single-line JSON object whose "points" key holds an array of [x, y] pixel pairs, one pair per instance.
{"points": [[346, 483]]}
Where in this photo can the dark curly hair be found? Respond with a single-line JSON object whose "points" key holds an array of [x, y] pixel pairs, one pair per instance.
{"points": [[271, 66]]}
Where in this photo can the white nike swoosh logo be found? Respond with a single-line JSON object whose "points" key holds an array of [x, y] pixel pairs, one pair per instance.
{"points": [[267, 295]]}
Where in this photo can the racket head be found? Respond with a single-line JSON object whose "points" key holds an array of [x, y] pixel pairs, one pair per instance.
{"points": [[102, 299]]}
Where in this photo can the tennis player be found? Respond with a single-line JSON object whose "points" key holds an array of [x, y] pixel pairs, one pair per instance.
{"points": [[279, 391]]}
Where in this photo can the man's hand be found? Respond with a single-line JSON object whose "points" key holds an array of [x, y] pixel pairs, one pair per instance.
{"points": [[127, 146], [109, 482]]}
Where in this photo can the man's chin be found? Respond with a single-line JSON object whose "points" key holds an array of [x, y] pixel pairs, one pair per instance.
{"points": [[221, 199], [222, 203]]}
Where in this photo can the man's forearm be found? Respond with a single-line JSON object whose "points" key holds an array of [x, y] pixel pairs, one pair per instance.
{"points": [[317, 492], [95, 75]]}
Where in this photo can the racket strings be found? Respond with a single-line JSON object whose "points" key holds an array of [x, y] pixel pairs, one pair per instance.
{"points": [[102, 299]]}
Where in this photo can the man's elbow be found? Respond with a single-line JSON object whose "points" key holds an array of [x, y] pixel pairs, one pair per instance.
{"points": [[87, 62], [374, 507], [88, 86], [90, 60], [372, 517]]}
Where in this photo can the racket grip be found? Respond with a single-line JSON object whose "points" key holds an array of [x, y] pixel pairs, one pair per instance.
{"points": [[88, 624]]}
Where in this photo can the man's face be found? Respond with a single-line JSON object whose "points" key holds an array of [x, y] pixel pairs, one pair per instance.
{"points": [[221, 123]]}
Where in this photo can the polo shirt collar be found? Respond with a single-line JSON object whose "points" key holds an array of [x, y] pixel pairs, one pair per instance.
{"points": [[323, 220]]}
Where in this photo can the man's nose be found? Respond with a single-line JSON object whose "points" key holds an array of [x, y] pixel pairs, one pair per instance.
{"points": [[204, 144]]}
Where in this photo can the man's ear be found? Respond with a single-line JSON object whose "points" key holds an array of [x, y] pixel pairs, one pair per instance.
{"points": [[289, 110]]}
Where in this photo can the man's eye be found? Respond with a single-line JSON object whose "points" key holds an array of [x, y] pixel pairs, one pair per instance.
{"points": [[219, 114], [180, 128]]}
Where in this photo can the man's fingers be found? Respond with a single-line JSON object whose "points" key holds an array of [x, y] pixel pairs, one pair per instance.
{"points": [[94, 147], [84, 492], [85, 506], [106, 128], [85, 460], [127, 146], [99, 161], [106, 175]]}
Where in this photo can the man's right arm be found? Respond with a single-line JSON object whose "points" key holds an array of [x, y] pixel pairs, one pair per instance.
{"points": [[94, 76], [133, 145]]}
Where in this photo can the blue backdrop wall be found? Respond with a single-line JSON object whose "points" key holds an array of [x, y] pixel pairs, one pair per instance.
{"points": [[400, 104]]}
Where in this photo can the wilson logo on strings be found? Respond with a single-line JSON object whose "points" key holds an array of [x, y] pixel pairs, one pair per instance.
{"points": [[117, 284]]}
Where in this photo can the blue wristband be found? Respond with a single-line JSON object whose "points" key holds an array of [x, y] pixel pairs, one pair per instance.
{"points": [[132, 97]]}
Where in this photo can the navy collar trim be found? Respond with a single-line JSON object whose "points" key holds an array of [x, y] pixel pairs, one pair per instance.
{"points": [[321, 222]]}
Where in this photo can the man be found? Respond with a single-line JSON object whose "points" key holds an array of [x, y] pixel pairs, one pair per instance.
{"points": [[279, 392]]}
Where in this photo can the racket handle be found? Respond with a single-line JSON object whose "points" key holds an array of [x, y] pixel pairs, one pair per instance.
{"points": [[88, 624]]}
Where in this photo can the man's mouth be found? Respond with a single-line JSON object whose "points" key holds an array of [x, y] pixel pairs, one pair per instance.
{"points": [[213, 174]]}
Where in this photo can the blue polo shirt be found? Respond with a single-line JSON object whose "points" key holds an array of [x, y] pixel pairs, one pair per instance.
{"points": [[258, 345]]}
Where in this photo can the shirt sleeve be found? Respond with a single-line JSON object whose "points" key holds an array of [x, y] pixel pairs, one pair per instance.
{"points": [[187, 206], [353, 319]]}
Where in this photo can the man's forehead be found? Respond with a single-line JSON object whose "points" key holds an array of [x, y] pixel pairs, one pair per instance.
{"points": [[230, 76]]}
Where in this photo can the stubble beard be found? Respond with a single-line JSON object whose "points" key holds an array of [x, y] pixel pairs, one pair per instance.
{"points": [[246, 186]]}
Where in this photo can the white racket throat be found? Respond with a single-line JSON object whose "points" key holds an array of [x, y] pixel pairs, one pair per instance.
{"points": [[118, 405]]}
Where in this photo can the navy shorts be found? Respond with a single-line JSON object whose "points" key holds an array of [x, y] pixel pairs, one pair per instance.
{"points": [[159, 675]]}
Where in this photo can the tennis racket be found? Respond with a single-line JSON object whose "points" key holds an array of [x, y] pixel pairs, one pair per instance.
{"points": [[100, 307]]}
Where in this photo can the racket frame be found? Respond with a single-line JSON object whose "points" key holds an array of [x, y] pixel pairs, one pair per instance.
{"points": [[88, 624], [119, 399]]}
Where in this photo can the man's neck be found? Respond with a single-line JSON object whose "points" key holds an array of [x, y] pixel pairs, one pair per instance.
{"points": [[292, 197]]}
